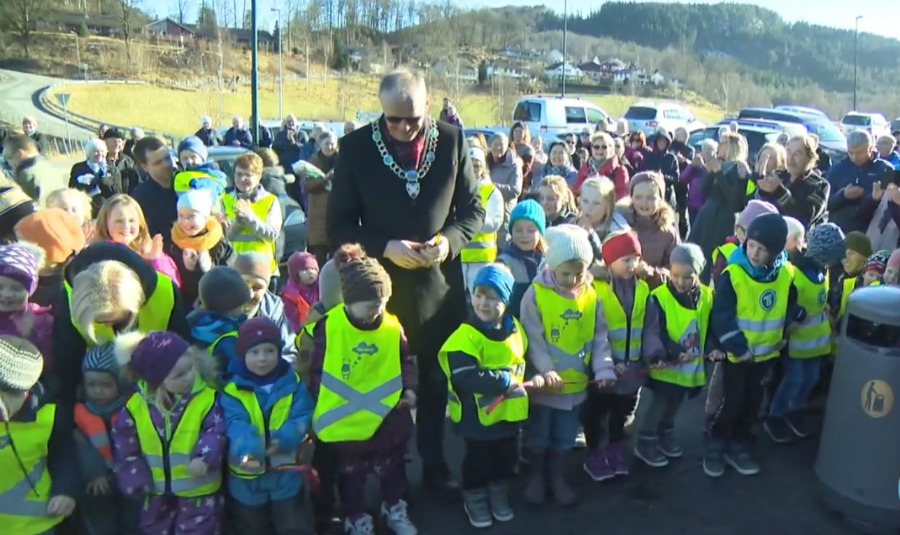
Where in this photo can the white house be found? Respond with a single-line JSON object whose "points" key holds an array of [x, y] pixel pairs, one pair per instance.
{"points": [[613, 65], [452, 69], [559, 70], [555, 56], [505, 69], [514, 52], [657, 79], [633, 75]]}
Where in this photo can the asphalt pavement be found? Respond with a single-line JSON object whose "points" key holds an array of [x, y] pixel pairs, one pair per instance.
{"points": [[18, 98], [678, 499]]}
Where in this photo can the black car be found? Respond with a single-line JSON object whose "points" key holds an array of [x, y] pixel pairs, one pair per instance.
{"points": [[756, 136]]}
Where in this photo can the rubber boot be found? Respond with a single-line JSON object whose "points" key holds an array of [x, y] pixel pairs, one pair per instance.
{"points": [[562, 492], [536, 490]]}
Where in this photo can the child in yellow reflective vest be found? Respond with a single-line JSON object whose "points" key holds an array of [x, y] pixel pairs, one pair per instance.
{"points": [[104, 510], [267, 414], [683, 306], [754, 302], [859, 248], [482, 249], [811, 340], [40, 474], [623, 301], [169, 441], [362, 378], [484, 360], [720, 254], [568, 347], [524, 253]]}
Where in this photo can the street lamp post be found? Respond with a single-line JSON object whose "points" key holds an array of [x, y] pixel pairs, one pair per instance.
{"points": [[855, 59], [565, 44], [78, 52], [254, 73], [280, 64]]}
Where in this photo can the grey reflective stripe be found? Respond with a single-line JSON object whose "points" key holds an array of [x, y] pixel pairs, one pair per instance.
{"points": [[282, 459], [762, 349], [191, 483], [451, 395], [485, 401], [622, 334], [567, 361], [823, 342], [246, 238], [771, 324], [519, 271], [156, 461], [356, 401], [481, 245], [15, 502]]}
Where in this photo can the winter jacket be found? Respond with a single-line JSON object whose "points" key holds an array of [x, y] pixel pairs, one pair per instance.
{"points": [[131, 468], [39, 332], [68, 345], [468, 378], [611, 169], [288, 149], [208, 136], [539, 172], [723, 318], [160, 207], [726, 195], [525, 266], [843, 211], [244, 439], [805, 199], [658, 236], [317, 192], [507, 178], [206, 328], [692, 178], [297, 300], [243, 138], [271, 308]]}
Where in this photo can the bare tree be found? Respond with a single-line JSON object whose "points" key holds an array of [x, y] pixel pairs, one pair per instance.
{"points": [[126, 19], [21, 16], [183, 6]]}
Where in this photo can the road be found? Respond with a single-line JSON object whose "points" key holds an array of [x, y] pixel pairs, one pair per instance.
{"points": [[17, 99], [678, 499]]}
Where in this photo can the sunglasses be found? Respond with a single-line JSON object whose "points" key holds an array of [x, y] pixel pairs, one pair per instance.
{"points": [[570, 142], [599, 147], [408, 120]]}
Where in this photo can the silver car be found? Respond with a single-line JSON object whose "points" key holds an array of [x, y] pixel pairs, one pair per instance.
{"points": [[648, 117]]}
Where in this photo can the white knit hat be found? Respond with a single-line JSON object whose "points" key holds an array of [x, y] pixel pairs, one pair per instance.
{"points": [[567, 242], [21, 364], [198, 200]]}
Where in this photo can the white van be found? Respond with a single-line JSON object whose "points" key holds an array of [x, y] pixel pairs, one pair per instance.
{"points": [[557, 115]]}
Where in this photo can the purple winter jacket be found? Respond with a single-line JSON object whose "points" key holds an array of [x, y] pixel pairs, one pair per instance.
{"points": [[692, 177], [132, 470]]}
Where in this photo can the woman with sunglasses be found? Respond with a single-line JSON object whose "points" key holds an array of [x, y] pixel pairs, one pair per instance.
{"points": [[636, 148], [603, 161]]}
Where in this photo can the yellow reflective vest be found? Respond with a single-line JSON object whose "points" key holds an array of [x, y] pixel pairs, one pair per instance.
{"points": [[569, 331], [483, 246], [169, 460], [361, 378], [264, 425], [812, 338], [153, 316], [847, 287], [625, 330], [687, 327], [25, 483], [507, 355], [724, 250], [761, 310], [246, 241]]}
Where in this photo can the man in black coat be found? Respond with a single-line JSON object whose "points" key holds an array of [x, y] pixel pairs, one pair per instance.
{"points": [[29, 126], [414, 212]]}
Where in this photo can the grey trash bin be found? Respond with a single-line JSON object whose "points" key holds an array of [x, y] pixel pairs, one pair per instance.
{"points": [[858, 465]]}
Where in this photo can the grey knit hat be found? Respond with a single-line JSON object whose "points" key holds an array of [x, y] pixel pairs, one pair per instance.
{"points": [[826, 244], [689, 254], [21, 364]]}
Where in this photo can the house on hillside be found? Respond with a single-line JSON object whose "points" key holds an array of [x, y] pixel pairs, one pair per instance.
{"points": [[593, 69], [560, 70], [634, 75], [456, 69], [613, 65], [169, 28], [555, 56], [506, 69], [656, 78], [514, 52], [68, 21]]}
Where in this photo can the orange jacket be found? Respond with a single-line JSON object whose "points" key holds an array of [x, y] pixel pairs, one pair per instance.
{"points": [[94, 428]]}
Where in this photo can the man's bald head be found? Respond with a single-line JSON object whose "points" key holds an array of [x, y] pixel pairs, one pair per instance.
{"points": [[402, 86]]}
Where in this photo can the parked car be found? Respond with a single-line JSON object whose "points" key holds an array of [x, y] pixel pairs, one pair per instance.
{"points": [[830, 137], [648, 117], [895, 125], [803, 110], [554, 115], [756, 136], [873, 123], [487, 131]]}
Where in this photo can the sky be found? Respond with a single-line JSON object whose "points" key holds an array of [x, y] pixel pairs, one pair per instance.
{"points": [[879, 16]]}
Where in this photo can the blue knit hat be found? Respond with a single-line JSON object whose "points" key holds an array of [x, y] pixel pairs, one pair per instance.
{"points": [[529, 210], [193, 144], [497, 278], [826, 244]]}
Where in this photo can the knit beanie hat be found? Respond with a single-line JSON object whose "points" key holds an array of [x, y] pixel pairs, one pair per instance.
{"points": [[54, 231], [794, 226], [21, 364], [101, 358], [475, 153], [754, 209], [567, 242], [648, 176], [300, 261], [688, 254], [529, 210], [222, 290], [771, 231], [858, 242], [257, 331], [21, 262], [12, 198], [619, 245], [113, 133], [198, 200], [255, 265], [497, 278], [362, 277], [894, 260], [150, 356], [826, 244], [193, 144], [877, 262]]}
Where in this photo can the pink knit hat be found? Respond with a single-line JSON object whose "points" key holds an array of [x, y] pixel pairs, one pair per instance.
{"points": [[754, 209]]}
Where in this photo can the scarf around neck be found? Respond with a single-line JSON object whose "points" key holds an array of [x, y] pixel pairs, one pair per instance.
{"points": [[596, 164], [206, 240]]}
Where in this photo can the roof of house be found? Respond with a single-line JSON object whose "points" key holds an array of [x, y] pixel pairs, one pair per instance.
{"points": [[238, 34], [185, 27]]}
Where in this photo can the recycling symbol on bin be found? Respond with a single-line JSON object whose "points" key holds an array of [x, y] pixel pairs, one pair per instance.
{"points": [[877, 398]]}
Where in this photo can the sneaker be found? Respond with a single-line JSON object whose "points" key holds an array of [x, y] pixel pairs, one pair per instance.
{"points": [[596, 465], [738, 457], [362, 526], [580, 441], [778, 430], [800, 424], [646, 448], [397, 519], [498, 496], [667, 445], [478, 508], [616, 458], [714, 459]]}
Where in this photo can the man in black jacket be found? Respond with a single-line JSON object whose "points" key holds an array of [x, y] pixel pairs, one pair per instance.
{"points": [[29, 127]]}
